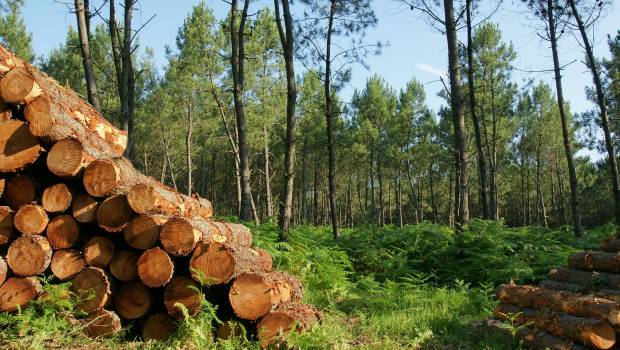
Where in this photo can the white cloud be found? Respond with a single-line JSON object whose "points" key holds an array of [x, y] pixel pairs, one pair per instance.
{"points": [[429, 68]]}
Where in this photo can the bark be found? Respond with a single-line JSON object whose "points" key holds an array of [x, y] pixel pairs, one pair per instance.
{"points": [[253, 295], [58, 112], [600, 99], [483, 188], [567, 302], [572, 175], [145, 195], [611, 244], [329, 115], [531, 337], [585, 279], [595, 261], [84, 35], [588, 331]]}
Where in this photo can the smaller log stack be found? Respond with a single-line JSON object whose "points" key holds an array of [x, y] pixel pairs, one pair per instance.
{"points": [[576, 307], [133, 249]]}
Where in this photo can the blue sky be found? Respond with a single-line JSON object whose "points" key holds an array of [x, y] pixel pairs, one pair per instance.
{"points": [[415, 49]]}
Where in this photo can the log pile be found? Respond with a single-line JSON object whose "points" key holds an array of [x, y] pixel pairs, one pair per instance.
{"points": [[576, 307], [135, 251]]}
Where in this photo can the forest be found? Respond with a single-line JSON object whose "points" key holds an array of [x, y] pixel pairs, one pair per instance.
{"points": [[400, 219]]}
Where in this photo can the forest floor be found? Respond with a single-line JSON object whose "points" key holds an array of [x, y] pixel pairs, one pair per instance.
{"points": [[416, 287]]}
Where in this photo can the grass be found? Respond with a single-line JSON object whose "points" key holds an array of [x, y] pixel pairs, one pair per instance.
{"points": [[416, 287]]}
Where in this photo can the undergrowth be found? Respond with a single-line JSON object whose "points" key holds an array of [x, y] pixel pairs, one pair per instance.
{"points": [[416, 287]]}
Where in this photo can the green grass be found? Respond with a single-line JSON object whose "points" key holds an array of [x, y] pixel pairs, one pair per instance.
{"points": [[416, 287]]}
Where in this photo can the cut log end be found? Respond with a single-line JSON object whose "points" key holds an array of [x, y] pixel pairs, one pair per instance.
{"points": [[62, 232], [6, 224], [101, 177], [93, 289], [18, 147], [66, 158], [31, 219], [16, 293], [155, 268], [56, 198], [142, 198], [157, 326], [184, 291], [20, 190], [38, 115], [67, 263], [178, 237], [29, 255], [84, 208], [254, 295], [102, 323], [124, 265], [275, 326], [98, 251], [133, 300], [114, 213], [4, 269], [213, 264], [143, 231], [19, 86]]}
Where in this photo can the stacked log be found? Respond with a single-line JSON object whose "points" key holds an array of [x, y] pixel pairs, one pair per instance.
{"points": [[134, 250], [577, 305]]}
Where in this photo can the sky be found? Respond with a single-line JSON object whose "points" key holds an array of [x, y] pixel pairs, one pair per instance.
{"points": [[415, 49]]}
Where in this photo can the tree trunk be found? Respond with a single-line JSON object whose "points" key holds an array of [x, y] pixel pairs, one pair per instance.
{"points": [[483, 190], [286, 318], [237, 62], [572, 175], [600, 99], [460, 137], [433, 202], [304, 183], [268, 197], [288, 45], [329, 115], [89, 73], [381, 199], [188, 146], [531, 337]]}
